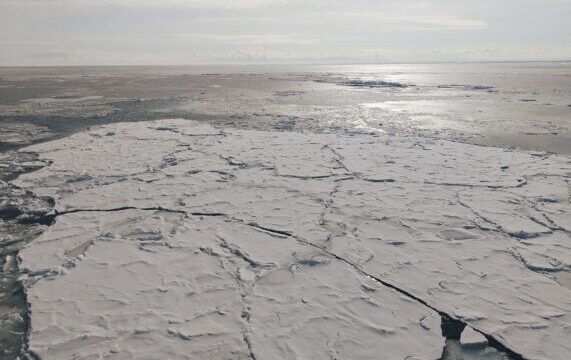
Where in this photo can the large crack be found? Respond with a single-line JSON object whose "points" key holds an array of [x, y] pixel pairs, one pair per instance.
{"points": [[451, 327], [49, 219]]}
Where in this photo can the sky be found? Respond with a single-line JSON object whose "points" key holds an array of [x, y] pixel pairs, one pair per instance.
{"points": [[181, 32]]}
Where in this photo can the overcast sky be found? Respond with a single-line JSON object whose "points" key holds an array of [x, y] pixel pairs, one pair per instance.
{"points": [[107, 32]]}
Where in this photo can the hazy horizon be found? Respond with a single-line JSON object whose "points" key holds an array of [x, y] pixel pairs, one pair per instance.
{"points": [[199, 32], [285, 64]]}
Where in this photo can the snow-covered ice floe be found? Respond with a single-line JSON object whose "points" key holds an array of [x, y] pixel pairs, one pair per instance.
{"points": [[175, 240]]}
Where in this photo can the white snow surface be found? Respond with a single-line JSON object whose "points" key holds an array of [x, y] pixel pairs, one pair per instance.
{"points": [[177, 240]]}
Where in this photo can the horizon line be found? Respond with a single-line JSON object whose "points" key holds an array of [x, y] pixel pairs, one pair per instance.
{"points": [[294, 63]]}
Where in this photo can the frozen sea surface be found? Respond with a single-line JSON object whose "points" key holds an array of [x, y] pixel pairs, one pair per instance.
{"points": [[523, 105], [325, 139], [175, 239]]}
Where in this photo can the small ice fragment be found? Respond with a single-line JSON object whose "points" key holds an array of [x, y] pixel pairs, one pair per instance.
{"points": [[471, 337], [8, 264]]}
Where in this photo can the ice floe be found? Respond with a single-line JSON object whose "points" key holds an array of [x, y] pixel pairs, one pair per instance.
{"points": [[173, 239]]}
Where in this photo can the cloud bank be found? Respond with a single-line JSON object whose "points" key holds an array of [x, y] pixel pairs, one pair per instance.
{"points": [[109, 32]]}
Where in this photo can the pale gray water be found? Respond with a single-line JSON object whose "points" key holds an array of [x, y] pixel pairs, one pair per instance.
{"points": [[517, 104], [525, 105]]}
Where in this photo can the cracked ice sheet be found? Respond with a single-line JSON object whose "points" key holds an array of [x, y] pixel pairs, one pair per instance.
{"points": [[440, 230], [159, 285], [421, 238]]}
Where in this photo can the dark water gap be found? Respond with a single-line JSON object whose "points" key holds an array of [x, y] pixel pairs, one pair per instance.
{"points": [[22, 215]]}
